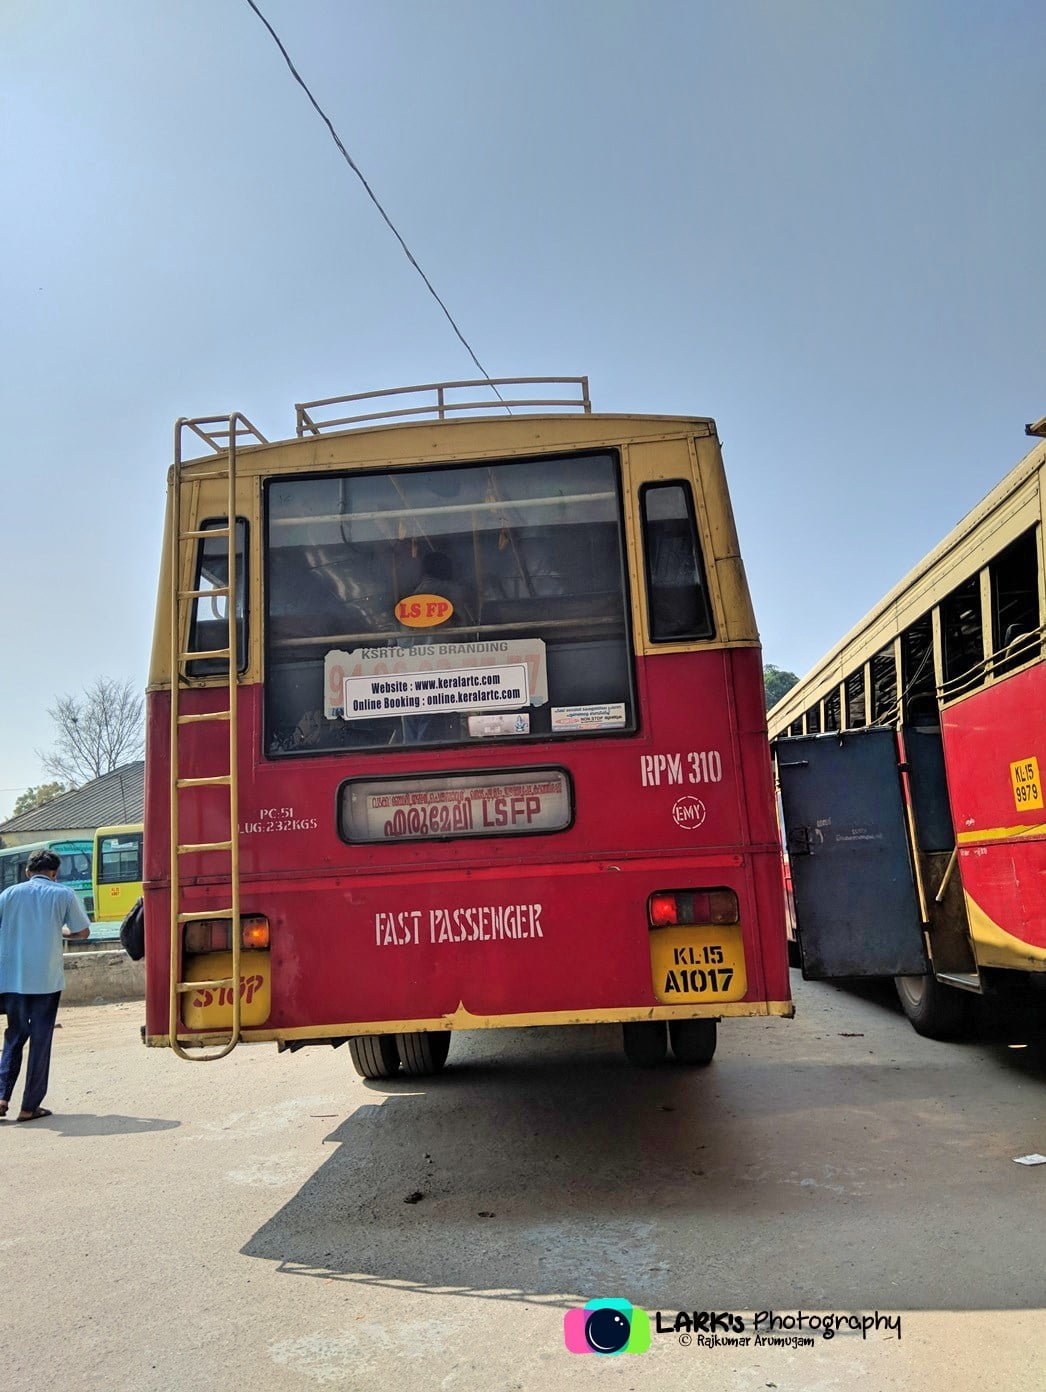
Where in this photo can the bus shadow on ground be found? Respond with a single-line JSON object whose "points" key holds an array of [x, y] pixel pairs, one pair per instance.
{"points": [[552, 1171], [1010, 1023]]}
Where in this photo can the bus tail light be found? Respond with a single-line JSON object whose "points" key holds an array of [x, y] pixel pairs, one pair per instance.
{"points": [[691, 906], [214, 935], [255, 932]]}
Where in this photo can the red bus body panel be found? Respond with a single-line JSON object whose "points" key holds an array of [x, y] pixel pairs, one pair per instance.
{"points": [[1002, 855], [591, 882]]}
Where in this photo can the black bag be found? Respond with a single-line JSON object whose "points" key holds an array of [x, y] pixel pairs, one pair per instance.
{"points": [[132, 933]]}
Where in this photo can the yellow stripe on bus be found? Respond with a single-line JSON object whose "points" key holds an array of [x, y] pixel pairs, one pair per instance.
{"points": [[463, 1019], [1012, 833], [994, 947]]}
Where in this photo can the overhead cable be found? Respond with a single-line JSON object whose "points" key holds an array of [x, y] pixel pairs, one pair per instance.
{"points": [[374, 199]]}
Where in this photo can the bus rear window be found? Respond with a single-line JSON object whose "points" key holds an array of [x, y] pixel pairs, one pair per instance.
{"points": [[446, 606], [120, 859]]}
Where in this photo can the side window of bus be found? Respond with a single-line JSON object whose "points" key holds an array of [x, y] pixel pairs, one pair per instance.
{"points": [[855, 716], [884, 686], [918, 679], [120, 859], [831, 710], [677, 595], [209, 627], [796, 727], [961, 639], [1014, 576], [813, 720]]}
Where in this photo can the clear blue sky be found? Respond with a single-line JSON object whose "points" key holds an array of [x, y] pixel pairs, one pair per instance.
{"points": [[820, 222]]}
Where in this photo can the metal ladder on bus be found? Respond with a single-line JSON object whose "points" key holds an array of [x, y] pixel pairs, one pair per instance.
{"points": [[221, 434]]}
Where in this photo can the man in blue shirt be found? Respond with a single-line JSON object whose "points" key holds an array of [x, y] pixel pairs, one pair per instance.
{"points": [[34, 919]]}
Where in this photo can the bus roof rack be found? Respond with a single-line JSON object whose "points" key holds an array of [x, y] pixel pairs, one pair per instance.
{"points": [[441, 406], [216, 431]]}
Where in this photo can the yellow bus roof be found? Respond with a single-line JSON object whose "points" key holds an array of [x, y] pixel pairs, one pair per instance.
{"points": [[1011, 507]]}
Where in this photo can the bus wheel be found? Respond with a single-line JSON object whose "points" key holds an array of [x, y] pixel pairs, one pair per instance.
{"points": [[423, 1051], [693, 1041], [374, 1055], [938, 1012], [646, 1043]]}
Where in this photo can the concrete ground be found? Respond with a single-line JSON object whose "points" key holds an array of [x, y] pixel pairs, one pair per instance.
{"points": [[244, 1224]]}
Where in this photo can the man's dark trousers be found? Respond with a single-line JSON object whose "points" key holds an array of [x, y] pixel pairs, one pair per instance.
{"points": [[32, 1019]]}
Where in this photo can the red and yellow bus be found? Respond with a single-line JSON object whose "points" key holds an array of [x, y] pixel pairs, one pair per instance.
{"points": [[492, 692], [911, 761]]}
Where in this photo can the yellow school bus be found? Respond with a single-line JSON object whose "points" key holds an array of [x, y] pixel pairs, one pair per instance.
{"points": [[117, 863]]}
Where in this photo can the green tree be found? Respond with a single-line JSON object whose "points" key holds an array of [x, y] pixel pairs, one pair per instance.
{"points": [[36, 797], [776, 683]]}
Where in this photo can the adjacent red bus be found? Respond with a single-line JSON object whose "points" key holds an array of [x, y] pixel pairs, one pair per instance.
{"points": [[911, 762], [492, 691]]}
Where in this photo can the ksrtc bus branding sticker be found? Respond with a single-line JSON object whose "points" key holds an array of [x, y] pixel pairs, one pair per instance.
{"points": [[689, 813], [499, 804], [476, 923], [424, 611], [437, 693], [1027, 785], [600, 717], [424, 660]]}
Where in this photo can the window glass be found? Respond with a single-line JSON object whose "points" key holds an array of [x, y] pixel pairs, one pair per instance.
{"points": [[917, 674], [884, 686], [677, 596], [74, 865], [961, 640], [831, 710], [1014, 578], [209, 629], [855, 716], [813, 720], [443, 606], [120, 859], [796, 727]]}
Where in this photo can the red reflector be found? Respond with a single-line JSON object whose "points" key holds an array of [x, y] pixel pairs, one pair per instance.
{"points": [[664, 910]]}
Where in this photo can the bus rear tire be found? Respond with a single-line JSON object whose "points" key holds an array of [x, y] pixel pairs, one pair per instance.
{"points": [[694, 1041], [422, 1052], [934, 1010], [374, 1055], [646, 1043]]}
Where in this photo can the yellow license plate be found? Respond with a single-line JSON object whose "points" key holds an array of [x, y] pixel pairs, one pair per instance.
{"points": [[211, 1006], [697, 964]]}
